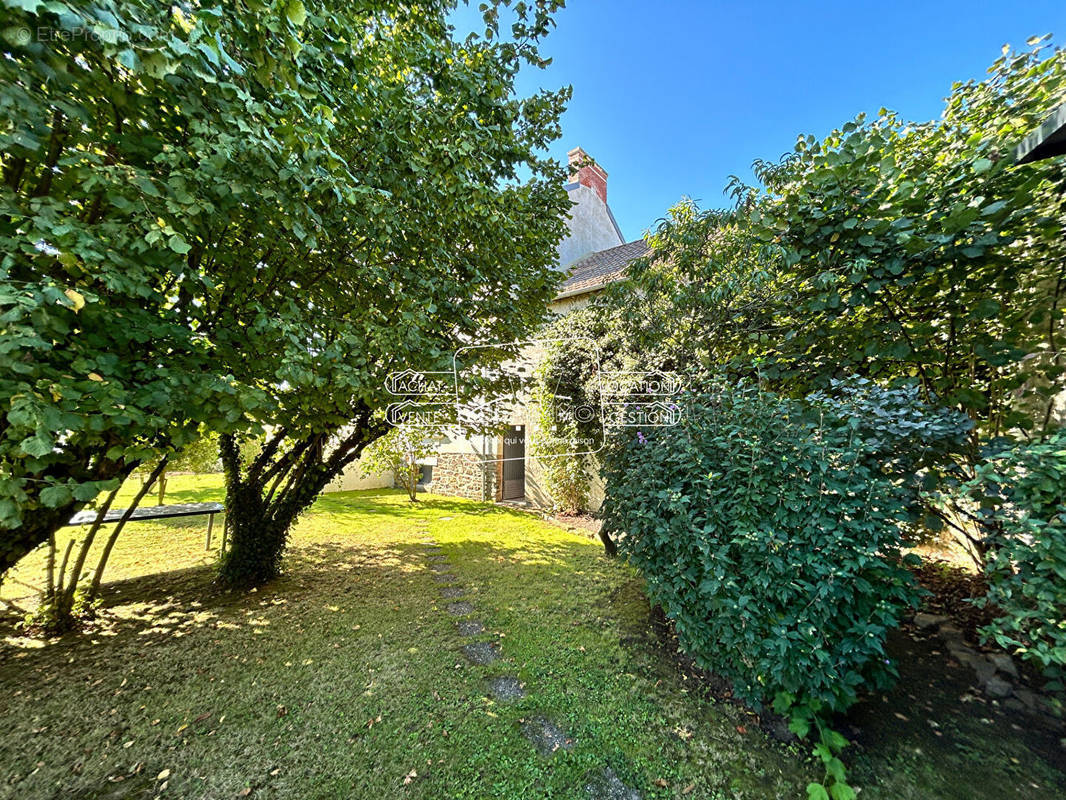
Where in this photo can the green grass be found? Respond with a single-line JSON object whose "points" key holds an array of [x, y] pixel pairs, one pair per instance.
{"points": [[345, 676]]}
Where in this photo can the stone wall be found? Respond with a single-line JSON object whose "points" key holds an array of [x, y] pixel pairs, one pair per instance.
{"points": [[464, 475]]}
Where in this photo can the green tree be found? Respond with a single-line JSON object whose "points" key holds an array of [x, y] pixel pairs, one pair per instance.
{"points": [[890, 249], [902, 252], [152, 153], [448, 247], [234, 215], [399, 452]]}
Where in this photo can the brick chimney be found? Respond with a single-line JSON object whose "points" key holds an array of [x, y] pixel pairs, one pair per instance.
{"points": [[586, 173]]}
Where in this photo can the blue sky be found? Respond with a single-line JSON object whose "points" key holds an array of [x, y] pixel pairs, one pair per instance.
{"points": [[672, 97]]}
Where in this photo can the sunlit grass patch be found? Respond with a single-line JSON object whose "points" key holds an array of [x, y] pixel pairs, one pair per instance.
{"points": [[345, 677]]}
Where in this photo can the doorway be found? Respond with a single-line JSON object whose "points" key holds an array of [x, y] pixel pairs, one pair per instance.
{"points": [[514, 463]]}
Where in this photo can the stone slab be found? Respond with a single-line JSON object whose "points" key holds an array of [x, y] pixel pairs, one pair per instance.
{"points": [[506, 689], [608, 786], [481, 653], [546, 736], [470, 627]]}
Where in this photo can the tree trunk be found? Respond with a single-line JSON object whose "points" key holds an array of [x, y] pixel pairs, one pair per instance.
{"points": [[50, 571], [609, 545], [412, 479], [158, 473], [63, 610], [43, 522], [256, 539], [264, 498]]}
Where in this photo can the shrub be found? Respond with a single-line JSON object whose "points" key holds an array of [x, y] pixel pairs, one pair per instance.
{"points": [[770, 535], [400, 451], [1021, 489]]}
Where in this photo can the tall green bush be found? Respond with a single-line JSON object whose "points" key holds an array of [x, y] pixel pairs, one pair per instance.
{"points": [[891, 248], [1021, 491], [770, 535]]}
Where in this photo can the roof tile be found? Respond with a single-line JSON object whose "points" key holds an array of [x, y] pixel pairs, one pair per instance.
{"points": [[602, 267]]}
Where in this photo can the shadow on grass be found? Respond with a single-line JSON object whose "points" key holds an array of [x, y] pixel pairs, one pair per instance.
{"points": [[150, 609]]}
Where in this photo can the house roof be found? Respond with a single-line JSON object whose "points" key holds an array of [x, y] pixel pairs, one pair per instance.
{"points": [[1046, 141], [600, 268]]}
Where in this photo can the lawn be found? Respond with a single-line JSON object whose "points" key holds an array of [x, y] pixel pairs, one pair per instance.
{"points": [[346, 678]]}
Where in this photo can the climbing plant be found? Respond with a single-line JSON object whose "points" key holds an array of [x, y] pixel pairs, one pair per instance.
{"points": [[578, 347]]}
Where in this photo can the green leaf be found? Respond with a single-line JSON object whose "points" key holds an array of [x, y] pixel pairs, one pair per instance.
{"points": [[37, 446], [128, 59], [799, 726], [835, 768], [815, 791], [55, 496], [296, 13]]}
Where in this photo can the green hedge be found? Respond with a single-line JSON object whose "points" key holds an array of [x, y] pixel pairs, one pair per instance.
{"points": [[770, 534], [1021, 491]]}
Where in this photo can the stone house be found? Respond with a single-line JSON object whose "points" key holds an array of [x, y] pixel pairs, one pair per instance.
{"points": [[593, 254]]}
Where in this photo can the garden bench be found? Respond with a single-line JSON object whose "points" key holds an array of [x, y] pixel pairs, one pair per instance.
{"points": [[156, 512]]}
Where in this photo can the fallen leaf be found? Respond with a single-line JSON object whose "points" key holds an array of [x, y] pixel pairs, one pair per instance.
{"points": [[410, 776], [661, 783], [162, 776], [202, 717], [247, 790], [688, 789], [741, 729]]}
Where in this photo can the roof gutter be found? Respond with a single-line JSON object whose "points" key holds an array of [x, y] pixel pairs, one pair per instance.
{"points": [[588, 289], [1046, 141]]}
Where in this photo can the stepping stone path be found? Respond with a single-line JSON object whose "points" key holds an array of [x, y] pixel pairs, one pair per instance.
{"points": [[547, 738], [506, 689], [469, 627], [481, 653], [608, 786]]}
